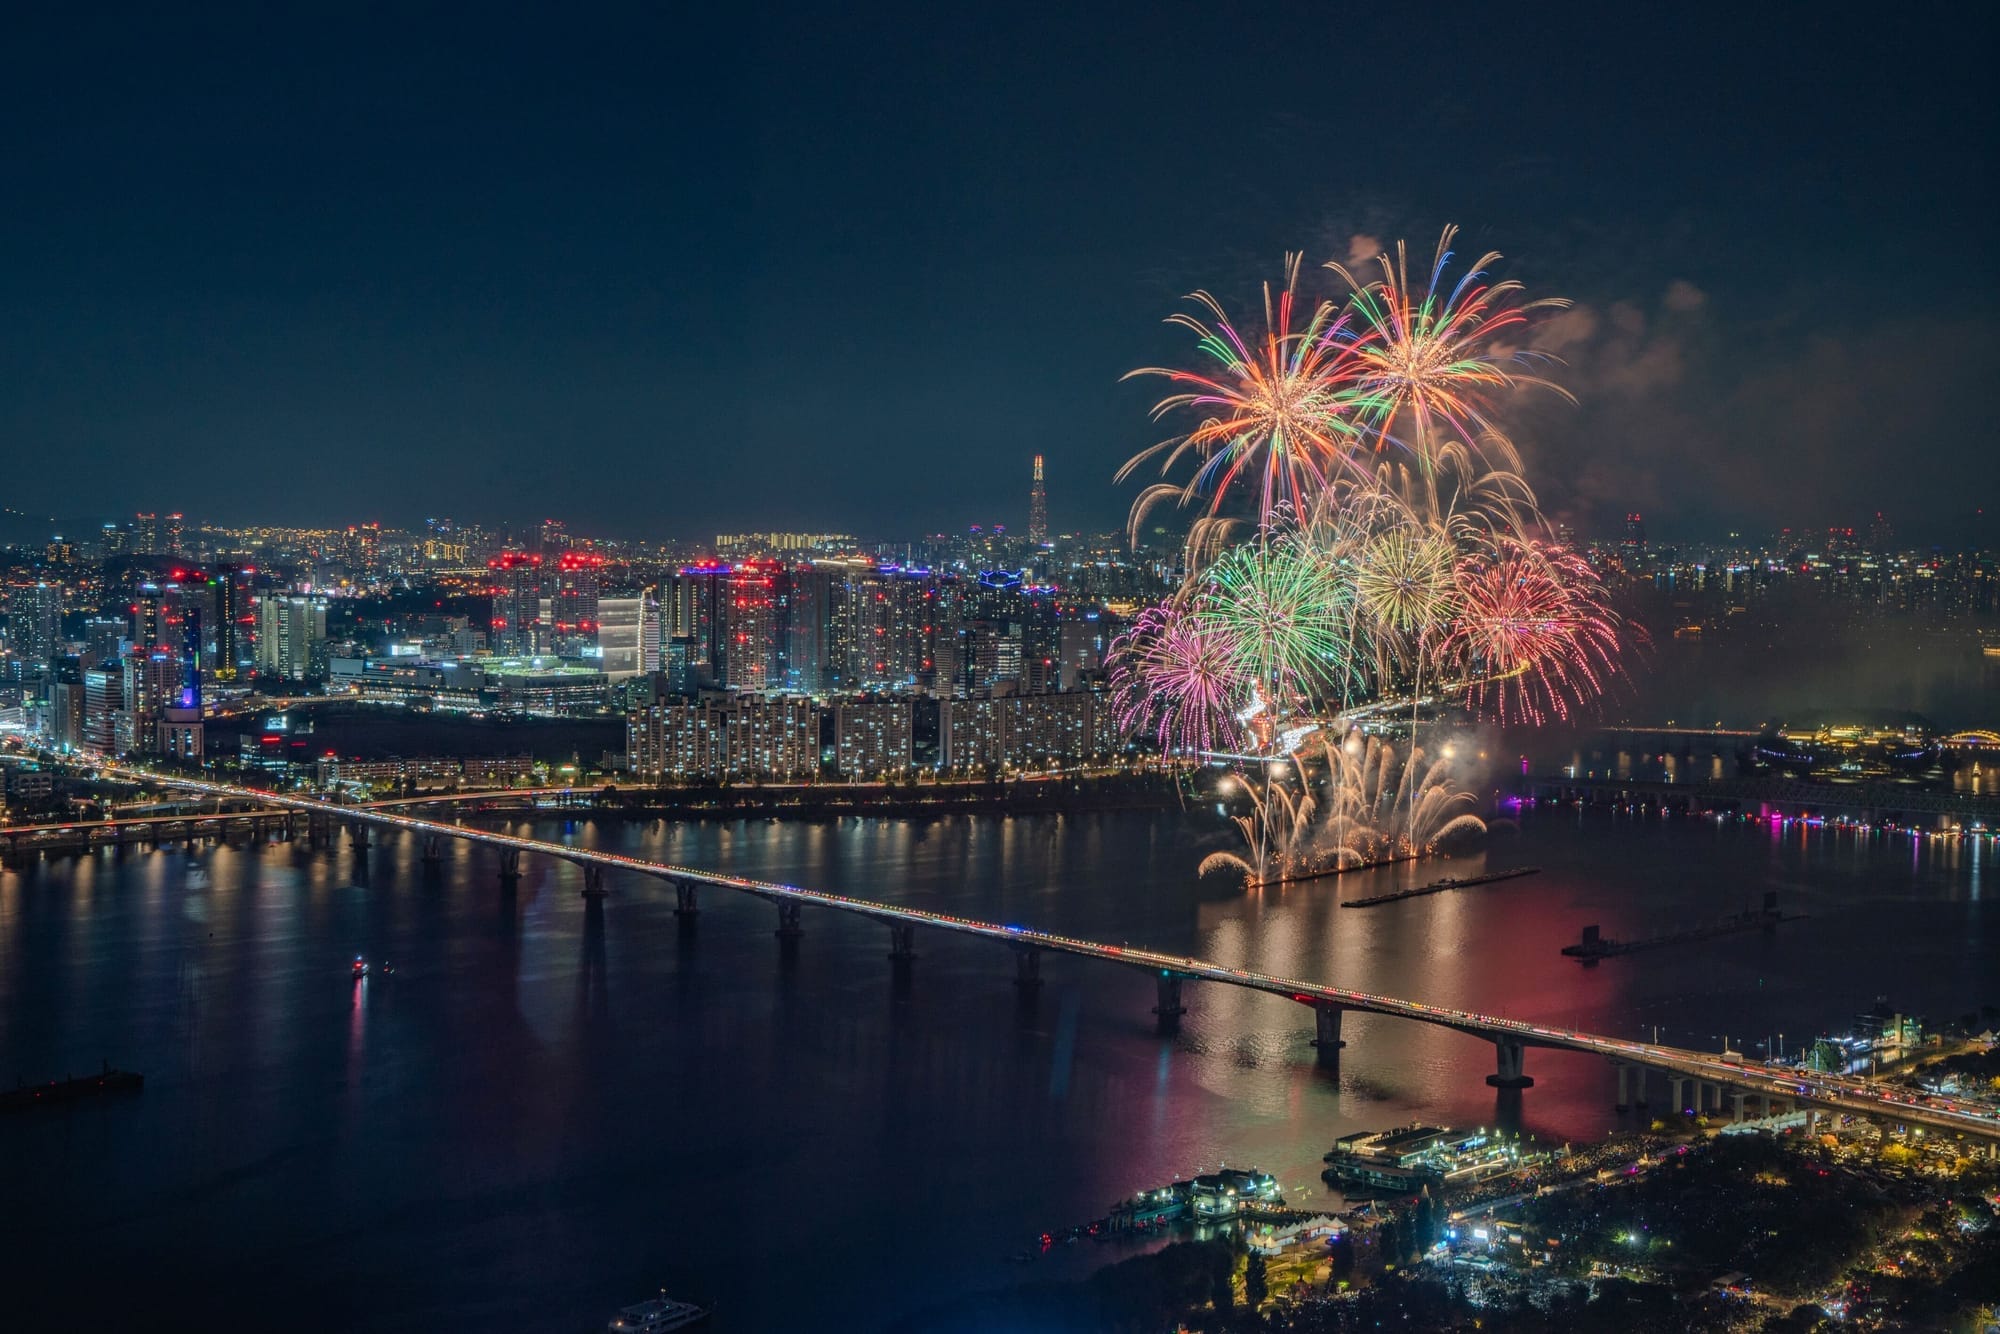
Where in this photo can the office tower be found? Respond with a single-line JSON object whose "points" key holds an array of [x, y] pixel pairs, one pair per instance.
{"points": [[1038, 507], [146, 617], [103, 640], [232, 624], [573, 598], [37, 624], [181, 729], [1881, 536], [291, 636], [146, 534], [693, 616], [517, 626], [620, 646], [170, 535], [1041, 642], [148, 683], [652, 636], [1634, 546], [103, 700], [65, 718]]}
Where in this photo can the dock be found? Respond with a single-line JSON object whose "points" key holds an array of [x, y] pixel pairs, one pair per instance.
{"points": [[1440, 886], [1593, 946]]}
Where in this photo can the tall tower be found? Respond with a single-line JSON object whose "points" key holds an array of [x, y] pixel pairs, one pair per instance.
{"points": [[1038, 508]]}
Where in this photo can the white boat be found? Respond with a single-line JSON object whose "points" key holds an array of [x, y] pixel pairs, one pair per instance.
{"points": [[658, 1316]]}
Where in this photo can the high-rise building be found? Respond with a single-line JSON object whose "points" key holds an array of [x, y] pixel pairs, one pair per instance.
{"points": [[620, 646], [1634, 547], [517, 626], [35, 627], [233, 624], [652, 636], [1038, 507], [573, 598], [146, 534], [751, 627], [103, 700], [291, 637]]}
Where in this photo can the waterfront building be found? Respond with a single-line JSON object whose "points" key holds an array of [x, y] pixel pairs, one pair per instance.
{"points": [[874, 736]]}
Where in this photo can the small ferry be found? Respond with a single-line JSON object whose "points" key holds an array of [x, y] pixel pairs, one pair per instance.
{"points": [[658, 1316], [360, 968]]}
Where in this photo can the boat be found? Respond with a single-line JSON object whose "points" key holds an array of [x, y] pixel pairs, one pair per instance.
{"points": [[658, 1316], [360, 968]]}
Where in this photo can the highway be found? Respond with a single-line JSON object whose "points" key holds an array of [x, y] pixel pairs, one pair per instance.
{"points": [[1858, 1097]]}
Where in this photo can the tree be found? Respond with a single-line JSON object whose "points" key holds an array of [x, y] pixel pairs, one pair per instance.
{"points": [[1222, 1294], [1340, 1252], [1390, 1238], [1256, 1286]]}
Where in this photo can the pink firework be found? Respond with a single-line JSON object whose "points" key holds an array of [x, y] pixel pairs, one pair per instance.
{"points": [[1176, 680], [1534, 634]]}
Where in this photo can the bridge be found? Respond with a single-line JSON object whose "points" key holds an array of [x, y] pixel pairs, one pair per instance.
{"points": [[1788, 795], [260, 820], [1693, 1078]]}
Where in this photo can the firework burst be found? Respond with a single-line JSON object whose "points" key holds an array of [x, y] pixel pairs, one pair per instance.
{"points": [[1431, 355], [1288, 615], [1176, 681], [1279, 407], [1534, 633]]}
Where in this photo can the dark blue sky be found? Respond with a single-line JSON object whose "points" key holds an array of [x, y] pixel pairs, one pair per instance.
{"points": [[679, 272]]}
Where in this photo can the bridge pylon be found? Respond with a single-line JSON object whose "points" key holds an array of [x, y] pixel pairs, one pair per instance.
{"points": [[789, 929], [902, 943], [1326, 1031], [1510, 1075], [685, 906], [1169, 1010], [1027, 969], [593, 881], [510, 867]]}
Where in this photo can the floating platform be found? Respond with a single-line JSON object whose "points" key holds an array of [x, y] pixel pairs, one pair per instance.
{"points": [[71, 1089], [1594, 946], [1440, 886]]}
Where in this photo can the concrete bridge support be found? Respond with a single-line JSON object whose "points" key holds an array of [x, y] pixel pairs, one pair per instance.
{"points": [[1027, 968], [1737, 1097], [433, 851], [593, 881], [1510, 1075], [1326, 1032], [358, 832], [1677, 1093], [1626, 1071], [789, 929], [1170, 1008], [510, 867], [902, 943], [685, 906]]}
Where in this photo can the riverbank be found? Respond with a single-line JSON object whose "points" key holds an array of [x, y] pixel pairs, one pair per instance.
{"points": [[1069, 795]]}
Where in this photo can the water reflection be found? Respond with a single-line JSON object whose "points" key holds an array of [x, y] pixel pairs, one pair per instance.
{"points": [[489, 1103]]}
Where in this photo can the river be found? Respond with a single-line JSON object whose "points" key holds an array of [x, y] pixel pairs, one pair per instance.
{"points": [[550, 1110]]}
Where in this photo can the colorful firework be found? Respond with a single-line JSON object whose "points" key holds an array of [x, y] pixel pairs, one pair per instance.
{"points": [[1534, 634], [1176, 681], [1430, 358], [1280, 408], [1287, 615]]}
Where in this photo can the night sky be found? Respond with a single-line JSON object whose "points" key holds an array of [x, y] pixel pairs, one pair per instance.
{"points": [[661, 271]]}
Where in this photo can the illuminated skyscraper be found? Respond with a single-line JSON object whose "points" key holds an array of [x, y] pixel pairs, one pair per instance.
{"points": [[517, 603], [1038, 507], [573, 595]]}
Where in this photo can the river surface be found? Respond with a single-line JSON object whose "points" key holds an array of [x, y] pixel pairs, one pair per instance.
{"points": [[549, 1110]]}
